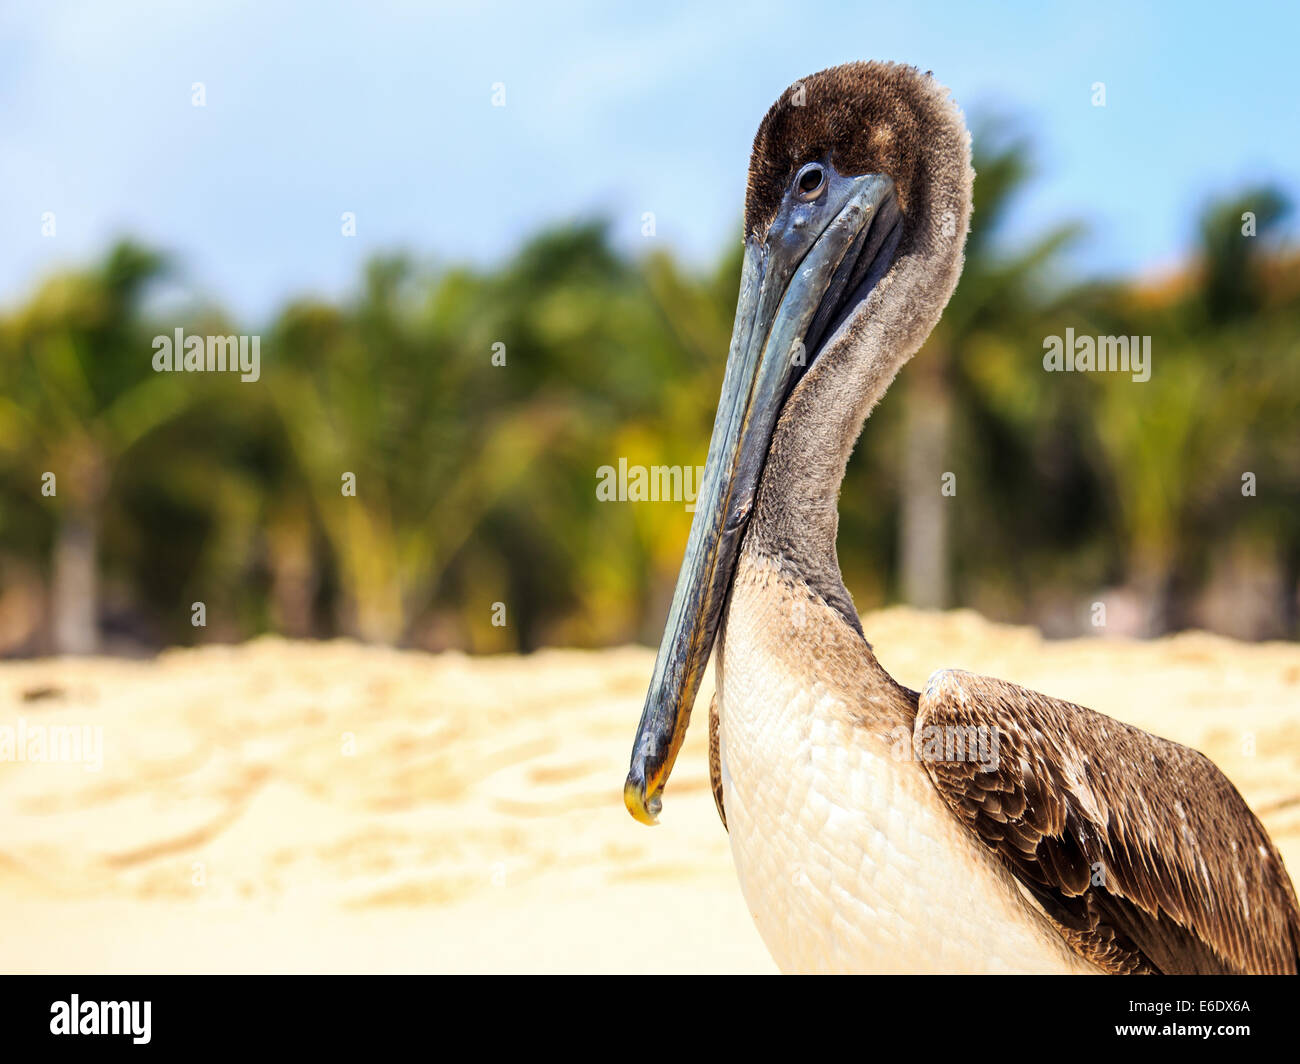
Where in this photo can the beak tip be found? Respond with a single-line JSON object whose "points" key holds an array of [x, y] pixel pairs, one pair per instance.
{"points": [[644, 808]]}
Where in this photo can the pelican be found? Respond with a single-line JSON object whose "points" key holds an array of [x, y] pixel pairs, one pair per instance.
{"points": [[863, 838]]}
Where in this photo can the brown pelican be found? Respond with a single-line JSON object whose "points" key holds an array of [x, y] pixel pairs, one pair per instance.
{"points": [[1075, 843]]}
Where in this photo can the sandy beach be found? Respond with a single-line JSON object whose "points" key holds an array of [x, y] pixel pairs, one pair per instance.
{"points": [[329, 807]]}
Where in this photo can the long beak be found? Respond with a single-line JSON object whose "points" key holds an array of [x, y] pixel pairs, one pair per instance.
{"points": [[816, 262]]}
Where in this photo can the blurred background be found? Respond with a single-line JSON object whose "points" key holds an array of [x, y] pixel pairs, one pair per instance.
{"points": [[387, 196]]}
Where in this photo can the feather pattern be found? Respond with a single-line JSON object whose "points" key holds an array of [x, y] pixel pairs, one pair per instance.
{"points": [[1139, 849]]}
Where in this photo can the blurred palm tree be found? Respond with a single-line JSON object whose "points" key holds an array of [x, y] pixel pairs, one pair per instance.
{"points": [[475, 407], [79, 395], [1223, 389], [982, 358], [607, 341], [398, 394]]}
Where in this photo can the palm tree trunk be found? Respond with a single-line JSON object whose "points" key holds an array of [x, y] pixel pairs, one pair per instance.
{"points": [[1288, 605], [371, 608], [1150, 578], [75, 583], [294, 576], [923, 513]]}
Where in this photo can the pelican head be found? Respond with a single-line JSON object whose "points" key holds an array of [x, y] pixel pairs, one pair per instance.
{"points": [[856, 212]]}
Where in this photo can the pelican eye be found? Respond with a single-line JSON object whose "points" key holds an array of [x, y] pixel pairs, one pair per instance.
{"points": [[811, 181]]}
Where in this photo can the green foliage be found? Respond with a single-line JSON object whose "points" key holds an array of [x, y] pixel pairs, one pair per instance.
{"points": [[476, 482]]}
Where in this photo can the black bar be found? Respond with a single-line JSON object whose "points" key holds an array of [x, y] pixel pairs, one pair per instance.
{"points": [[336, 1013]]}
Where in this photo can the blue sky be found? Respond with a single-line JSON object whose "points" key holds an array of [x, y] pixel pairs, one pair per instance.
{"points": [[384, 108]]}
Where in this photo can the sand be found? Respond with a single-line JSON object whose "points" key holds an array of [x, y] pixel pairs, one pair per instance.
{"points": [[327, 807]]}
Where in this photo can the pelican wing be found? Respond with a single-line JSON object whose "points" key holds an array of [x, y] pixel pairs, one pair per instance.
{"points": [[1139, 849]]}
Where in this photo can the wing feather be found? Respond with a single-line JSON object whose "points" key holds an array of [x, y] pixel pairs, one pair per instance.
{"points": [[1140, 849]]}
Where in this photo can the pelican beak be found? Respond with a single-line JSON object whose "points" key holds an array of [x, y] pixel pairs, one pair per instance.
{"points": [[818, 260]]}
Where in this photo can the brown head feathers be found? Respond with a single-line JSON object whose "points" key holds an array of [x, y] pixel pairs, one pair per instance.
{"points": [[872, 117]]}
